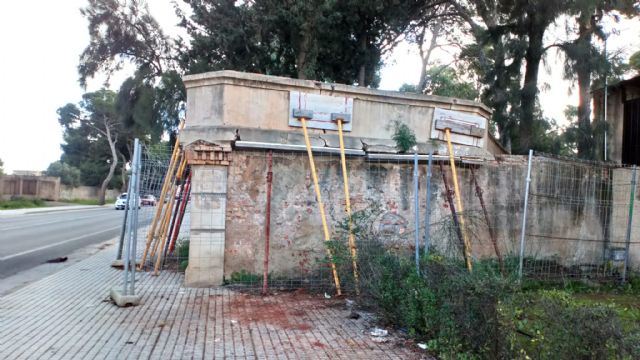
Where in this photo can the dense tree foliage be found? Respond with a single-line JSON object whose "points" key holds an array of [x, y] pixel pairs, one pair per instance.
{"points": [[92, 130], [502, 44], [69, 175], [444, 80], [584, 60], [334, 41]]}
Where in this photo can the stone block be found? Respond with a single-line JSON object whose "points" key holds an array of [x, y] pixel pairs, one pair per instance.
{"points": [[123, 300], [206, 259], [209, 179]]}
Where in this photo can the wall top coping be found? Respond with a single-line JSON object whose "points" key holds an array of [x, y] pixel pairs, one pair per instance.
{"points": [[277, 82], [30, 177]]}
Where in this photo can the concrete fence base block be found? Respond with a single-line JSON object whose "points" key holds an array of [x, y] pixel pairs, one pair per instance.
{"points": [[124, 300], [119, 264]]}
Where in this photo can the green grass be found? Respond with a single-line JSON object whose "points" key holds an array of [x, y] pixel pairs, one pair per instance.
{"points": [[245, 277], [626, 305], [89, 201], [21, 203]]}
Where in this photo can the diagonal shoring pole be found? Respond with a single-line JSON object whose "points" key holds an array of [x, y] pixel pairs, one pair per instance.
{"points": [[325, 228], [165, 186], [456, 188], [162, 239], [452, 207], [492, 235], [352, 241]]}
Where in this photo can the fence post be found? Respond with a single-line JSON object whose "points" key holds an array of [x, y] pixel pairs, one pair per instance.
{"points": [[136, 210], [524, 215], [427, 212], [132, 203], [632, 197], [124, 223], [416, 205], [127, 295]]}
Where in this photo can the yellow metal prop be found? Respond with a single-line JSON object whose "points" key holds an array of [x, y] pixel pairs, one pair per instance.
{"points": [[325, 228], [465, 239], [352, 241]]}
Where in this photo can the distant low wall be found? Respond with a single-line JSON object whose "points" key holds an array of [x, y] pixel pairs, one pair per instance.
{"points": [[41, 187], [84, 192]]}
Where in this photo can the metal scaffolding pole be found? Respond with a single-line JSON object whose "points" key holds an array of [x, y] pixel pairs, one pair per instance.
{"points": [[524, 215], [427, 211], [632, 197]]}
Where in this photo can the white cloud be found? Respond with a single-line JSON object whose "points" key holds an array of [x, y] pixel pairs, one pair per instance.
{"points": [[42, 40]]}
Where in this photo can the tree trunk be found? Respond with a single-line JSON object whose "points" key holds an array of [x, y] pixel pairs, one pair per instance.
{"points": [[112, 168], [301, 58], [123, 174], [362, 71], [529, 91], [583, 71], [426, 56], [498, 96], [585, 144]]}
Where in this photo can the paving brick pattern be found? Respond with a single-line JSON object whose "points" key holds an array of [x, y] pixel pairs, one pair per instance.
{"points": [[68, 316]]}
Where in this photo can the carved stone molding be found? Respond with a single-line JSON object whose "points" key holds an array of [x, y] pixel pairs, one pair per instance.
{"points": [[202, 152]]}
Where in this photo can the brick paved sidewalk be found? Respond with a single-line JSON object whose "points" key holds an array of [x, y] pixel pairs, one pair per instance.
{"points": [[68, 316]]}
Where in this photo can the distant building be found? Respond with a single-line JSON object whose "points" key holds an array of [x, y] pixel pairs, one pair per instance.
{"points": [[28, 172], [623, 119], [28, 186]]}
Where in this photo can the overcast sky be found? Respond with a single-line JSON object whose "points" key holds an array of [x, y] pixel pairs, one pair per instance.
{"points": [[41, 42]]}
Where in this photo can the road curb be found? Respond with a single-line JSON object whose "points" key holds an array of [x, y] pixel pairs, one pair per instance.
{"points": [[15, 212]]}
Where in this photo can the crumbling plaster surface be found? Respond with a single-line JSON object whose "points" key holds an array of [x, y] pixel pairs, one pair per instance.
{"points": [[224, 107], [296, 229]]}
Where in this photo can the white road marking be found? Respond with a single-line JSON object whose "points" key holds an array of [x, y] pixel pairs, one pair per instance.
{"points": [[56, 244], [5, 215], [47, 223]]}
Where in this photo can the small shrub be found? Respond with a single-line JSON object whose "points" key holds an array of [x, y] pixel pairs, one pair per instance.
{"points": [[245, 277], [484, 314], [21, 203], [182, 253], [404, 137], [456, 310], [551, 324]]}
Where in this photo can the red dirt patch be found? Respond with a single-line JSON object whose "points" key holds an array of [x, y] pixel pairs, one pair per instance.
{"points": [[283, 310]]}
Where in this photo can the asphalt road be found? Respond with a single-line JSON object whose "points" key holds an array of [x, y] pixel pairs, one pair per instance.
{"points": [[31, 239]]}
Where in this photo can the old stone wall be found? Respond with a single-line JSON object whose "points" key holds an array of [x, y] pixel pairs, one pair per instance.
{"points": [[85, 192], [574, 213], [39, 187], [568, 216]]}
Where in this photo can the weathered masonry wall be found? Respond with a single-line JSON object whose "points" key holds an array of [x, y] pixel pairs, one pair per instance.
{"points": [[297, 244], [576, 212], [572, 220], [85, 192], [225, 107], [40, 187]]}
